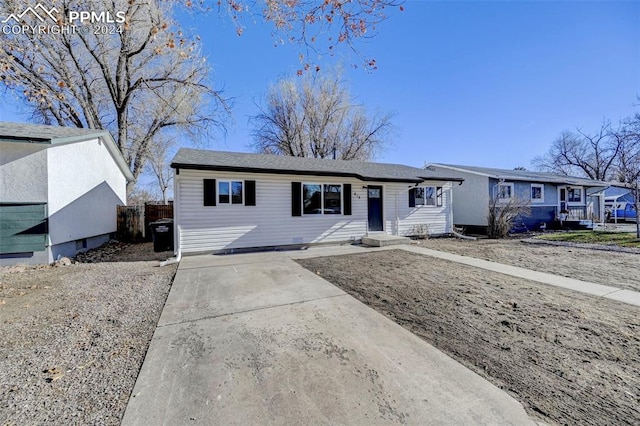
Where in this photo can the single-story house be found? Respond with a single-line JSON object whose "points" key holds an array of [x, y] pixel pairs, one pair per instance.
{"points": [[619, 204], [224, 201], [550, 196], [59, 188]]}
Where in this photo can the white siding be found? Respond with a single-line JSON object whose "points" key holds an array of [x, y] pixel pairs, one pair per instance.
{"points": [[471, 199], [270, 223], [85, 185], [403, 220], [23, 172]]}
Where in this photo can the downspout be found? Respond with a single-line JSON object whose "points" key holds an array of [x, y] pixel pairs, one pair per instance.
{"points": [[397, 217], [451, 207], [176, 215], [176, 222]]}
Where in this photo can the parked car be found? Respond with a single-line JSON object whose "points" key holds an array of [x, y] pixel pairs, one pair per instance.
{"points": [[623, 211]]}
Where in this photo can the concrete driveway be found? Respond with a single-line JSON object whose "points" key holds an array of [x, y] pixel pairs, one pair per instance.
{"points": [[257, 339]]}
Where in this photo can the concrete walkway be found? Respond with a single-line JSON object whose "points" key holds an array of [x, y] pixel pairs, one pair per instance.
{"points": [[257, 339], [613, 293], [621, 295]]}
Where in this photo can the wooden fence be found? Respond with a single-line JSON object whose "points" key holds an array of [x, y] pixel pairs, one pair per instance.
{"points": [[133, 221], [155, 212]]}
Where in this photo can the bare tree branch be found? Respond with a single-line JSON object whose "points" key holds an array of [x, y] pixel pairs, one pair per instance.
{"points": [[313, 116], [138, 83], [584, 154], [319, 27]]}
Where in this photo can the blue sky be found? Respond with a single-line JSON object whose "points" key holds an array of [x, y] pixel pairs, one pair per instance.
{"points": [[478, 83]]}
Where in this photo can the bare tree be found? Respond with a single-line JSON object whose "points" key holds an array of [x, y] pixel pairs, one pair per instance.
{"points": [[314, 116], [140, 196], [137, 79], [319, 27], [587, 154], [158, 166]]}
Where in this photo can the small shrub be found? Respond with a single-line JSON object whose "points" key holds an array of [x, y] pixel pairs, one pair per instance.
{"points": [[420, 231]]}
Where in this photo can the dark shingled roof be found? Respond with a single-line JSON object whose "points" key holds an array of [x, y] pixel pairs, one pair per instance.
{"points": [[43, 134], [187, 158], [516, 175]]}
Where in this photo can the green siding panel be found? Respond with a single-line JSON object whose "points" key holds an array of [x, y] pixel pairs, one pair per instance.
{"points": [[23, 228]]}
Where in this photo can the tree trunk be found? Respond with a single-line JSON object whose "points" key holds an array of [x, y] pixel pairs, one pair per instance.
{"points": [[130, 187], [165, 198]]}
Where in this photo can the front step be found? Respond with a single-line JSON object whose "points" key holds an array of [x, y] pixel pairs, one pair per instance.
{"points": [[384, 240]]}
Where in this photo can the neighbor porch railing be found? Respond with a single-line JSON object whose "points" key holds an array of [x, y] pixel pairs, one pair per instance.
{"points": [[575, 213]]}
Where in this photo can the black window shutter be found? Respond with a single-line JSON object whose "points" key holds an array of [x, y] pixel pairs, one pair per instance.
{"points": [[209, 192], [412, 197], [296, 199], [249, 192], [346, 209]]}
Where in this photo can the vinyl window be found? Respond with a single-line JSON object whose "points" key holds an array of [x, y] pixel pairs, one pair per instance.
{"points": [[505, 192], [321, 199], [574, 195], [425, 196], [230, 192], [537, 193]]}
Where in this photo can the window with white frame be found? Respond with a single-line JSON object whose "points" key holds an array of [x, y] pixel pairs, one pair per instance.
{"points": [[505, 192], [574, 195], [537, 193], [425, 196], [230, 192], [321, 198]]}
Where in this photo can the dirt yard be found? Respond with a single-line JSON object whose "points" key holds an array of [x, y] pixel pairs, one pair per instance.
{"points": [[73, 337], [569, 358], [602, 267]]}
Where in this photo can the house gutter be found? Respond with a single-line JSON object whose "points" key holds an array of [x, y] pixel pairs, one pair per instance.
{"points": [[177, 252], [415, 180]]}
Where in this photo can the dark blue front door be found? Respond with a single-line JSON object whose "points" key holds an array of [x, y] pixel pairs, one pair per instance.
{"points": [[374, 202]]}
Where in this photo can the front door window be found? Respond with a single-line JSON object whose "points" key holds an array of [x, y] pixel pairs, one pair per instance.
{"points": [[374, 204]]}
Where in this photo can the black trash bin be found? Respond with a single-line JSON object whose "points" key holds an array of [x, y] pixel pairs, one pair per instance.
{"points": [[162, 231]]}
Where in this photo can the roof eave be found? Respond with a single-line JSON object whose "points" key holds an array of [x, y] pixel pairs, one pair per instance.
{"points": [[461, 170], [30, 140], [177, 165], [444, 179]]}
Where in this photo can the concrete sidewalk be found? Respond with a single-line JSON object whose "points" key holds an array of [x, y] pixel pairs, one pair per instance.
{"points": [[257, 339], [608, 292]]}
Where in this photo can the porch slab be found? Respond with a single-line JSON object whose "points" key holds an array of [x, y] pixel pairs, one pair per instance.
{"points": [[383, 240]]}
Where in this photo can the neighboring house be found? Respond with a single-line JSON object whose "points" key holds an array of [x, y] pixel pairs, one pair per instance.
{"points": [[225, 201], [59, 188], [577, 201], [619, 204]]}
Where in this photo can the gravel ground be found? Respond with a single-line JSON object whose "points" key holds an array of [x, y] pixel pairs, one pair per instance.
{"points": [[73, 337]]}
